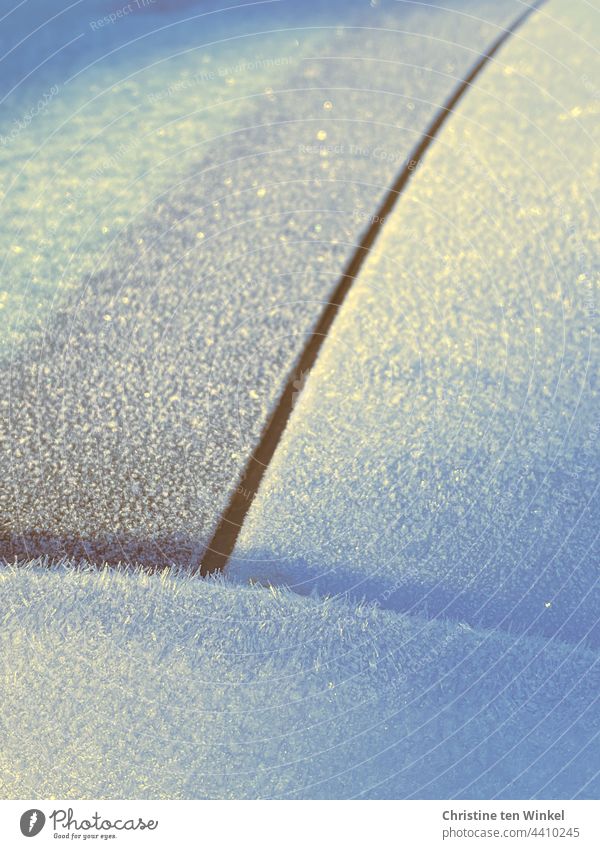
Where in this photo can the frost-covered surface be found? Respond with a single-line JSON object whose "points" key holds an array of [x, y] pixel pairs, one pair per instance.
{"points": [[443, 458], [173, 240], [136, 394], [116, 121], [128, 686]]}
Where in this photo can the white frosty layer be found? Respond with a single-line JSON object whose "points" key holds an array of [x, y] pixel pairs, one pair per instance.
{"points": [[172, 244], [128, 686], [118, 119], [444, 455]]}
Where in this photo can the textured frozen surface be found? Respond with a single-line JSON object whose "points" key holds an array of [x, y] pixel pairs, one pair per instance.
{"points": [[182, 688], [112, 127], [172, 241], [444, 455]]}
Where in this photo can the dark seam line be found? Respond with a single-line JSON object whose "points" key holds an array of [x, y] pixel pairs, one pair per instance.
{"points": [[225, 536]]}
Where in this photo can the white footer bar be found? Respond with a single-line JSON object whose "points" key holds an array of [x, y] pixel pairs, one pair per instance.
{"points": [[307, 824]]}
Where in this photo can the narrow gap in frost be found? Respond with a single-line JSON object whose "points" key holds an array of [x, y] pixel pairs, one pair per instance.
{"points": [[225, 536]]}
